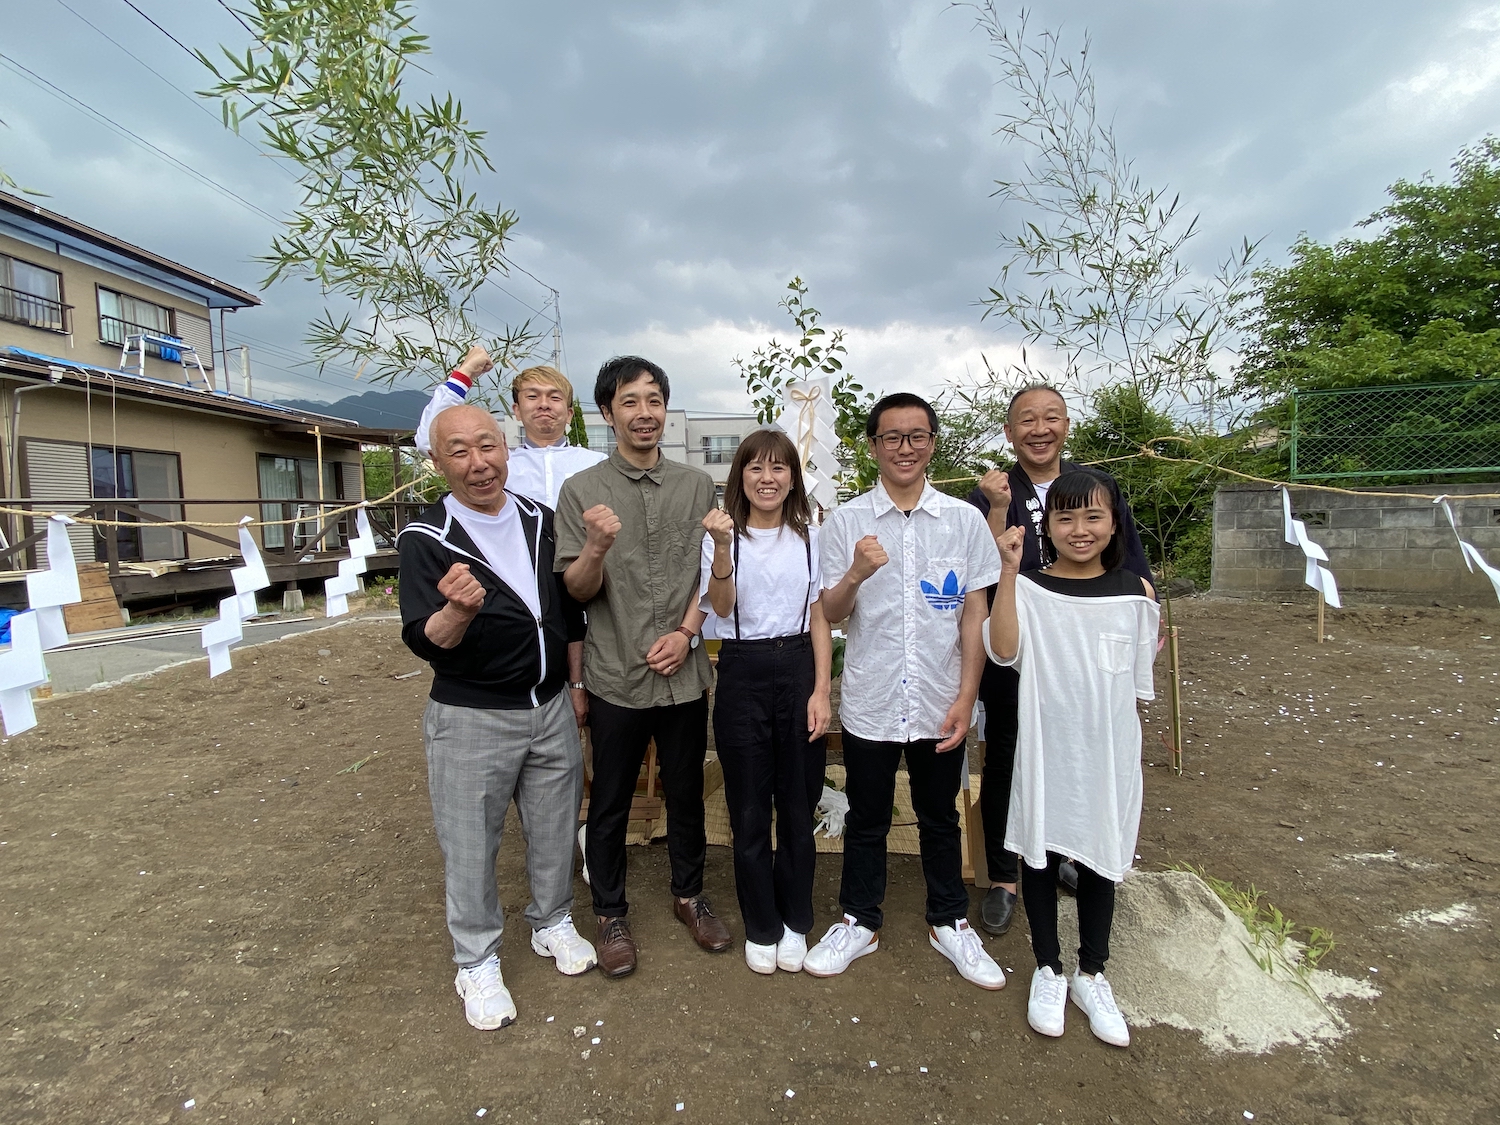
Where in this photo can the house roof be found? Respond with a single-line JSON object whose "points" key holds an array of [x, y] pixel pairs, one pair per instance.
{"points": [[48, 225], [71, 373]]}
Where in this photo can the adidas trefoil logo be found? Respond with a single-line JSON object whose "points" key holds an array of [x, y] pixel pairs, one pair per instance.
{"points": [[950, 597]]}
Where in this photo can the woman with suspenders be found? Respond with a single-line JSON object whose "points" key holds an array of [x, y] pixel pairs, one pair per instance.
{"points": [[761, 582]]}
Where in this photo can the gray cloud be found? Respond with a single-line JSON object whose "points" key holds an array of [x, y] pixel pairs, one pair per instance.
{"points": [[674, 164]]}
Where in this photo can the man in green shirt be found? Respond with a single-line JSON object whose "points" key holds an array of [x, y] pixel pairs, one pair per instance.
{"points": [[629, 532]]}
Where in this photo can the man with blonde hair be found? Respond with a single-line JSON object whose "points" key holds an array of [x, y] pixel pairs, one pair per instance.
{"points": [[543, 400]]}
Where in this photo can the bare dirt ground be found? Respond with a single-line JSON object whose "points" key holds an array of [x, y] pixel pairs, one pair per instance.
{"points": [[198, 901]]}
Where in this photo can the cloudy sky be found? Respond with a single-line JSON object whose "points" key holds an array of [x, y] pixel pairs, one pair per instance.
{"points": [[674, 164]]}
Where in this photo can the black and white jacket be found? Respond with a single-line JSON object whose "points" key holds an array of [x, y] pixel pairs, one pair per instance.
{"points": [[508, 659]]}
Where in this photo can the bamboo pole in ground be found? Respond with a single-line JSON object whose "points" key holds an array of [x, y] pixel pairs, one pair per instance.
{"points": [[1321, 604], [1175, 680]]}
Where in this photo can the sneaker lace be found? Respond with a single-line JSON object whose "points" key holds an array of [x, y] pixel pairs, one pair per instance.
{"points": [[970, 947], [1104, 996], [839, 936], [486, 975], [1052, 990]]}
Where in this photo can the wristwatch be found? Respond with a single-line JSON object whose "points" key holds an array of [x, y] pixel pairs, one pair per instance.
{"points": [[577, 687], [692, 637]]}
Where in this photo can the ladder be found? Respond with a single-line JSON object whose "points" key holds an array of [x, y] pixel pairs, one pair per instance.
{"points": [[170, 348]]}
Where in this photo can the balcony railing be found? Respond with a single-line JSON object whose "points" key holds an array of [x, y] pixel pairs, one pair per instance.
{"points": [[114, 330], [20, 307]]}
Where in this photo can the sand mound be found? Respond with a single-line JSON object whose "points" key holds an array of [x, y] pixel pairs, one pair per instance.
{"points": [[1179, 957]]}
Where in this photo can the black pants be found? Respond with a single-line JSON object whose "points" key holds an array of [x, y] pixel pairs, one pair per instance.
{"points": [[620, 736], [870, 784], [999, 692], [1096, 914], [760, 731]]}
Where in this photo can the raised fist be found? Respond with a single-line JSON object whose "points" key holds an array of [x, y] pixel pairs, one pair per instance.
{"points": [[995, 485], [869, 556], [720, 525], [1010, 542], [463, 591], [601, 525], [476, 362]]}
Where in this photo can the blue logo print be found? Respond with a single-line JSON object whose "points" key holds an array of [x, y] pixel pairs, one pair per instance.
{"points": [[950, 597]]}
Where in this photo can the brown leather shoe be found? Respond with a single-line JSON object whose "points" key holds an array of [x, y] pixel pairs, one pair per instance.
{"points": [[616, 947], [699, 917]]}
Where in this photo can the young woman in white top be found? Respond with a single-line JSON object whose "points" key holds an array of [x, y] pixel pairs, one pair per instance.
{"points": [[1081, 632], [760, 583]]}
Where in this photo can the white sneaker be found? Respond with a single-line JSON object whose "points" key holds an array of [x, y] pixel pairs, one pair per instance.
{"points": [[582, 830], [1094, 995], [1048, 1003], [963, 946], [841, 945], [562, 943], [487, 1002], [760, 958], [791, 950]]}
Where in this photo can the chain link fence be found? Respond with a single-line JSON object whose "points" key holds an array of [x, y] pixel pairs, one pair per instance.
{"points": [[1430, 430]]}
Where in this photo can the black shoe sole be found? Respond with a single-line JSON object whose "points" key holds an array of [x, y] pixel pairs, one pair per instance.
{"points": [[996, 931]]}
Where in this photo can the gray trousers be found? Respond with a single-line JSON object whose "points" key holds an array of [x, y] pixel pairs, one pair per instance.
{"points": [[477, 761]]}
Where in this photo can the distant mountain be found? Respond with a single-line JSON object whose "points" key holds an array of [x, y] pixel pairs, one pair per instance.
{"points": [[385, 410]]}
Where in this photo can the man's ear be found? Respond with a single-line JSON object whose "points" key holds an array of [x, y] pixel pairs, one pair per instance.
{"points": [[607, 414]]}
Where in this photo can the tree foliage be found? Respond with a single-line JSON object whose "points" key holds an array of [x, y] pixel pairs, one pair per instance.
{"points": [[578, 431], [1095, 267], [385, 219], [771, 367], [1419, 302]]}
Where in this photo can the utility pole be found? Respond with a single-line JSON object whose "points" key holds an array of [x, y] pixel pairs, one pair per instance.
{"points": [[556, 328]]}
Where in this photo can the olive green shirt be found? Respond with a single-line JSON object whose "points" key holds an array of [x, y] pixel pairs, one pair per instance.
{"points": [[650, 574]]}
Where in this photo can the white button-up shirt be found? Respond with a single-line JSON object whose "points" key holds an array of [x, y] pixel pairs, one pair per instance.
{"points": [[903, 663], [538, 471]]}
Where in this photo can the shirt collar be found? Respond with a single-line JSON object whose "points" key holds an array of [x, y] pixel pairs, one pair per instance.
{"points": [[882, 502], [527, 443], [633, 472]]}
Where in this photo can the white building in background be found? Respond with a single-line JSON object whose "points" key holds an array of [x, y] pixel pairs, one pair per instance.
{"points": [[705, 440]]}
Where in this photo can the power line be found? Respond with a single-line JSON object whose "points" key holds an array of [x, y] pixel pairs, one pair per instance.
{"points": [[191, 98], [57, 91], [164, 31]]}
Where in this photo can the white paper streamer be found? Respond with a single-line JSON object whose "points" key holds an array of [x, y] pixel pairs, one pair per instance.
{"points": [[229, 628], [807, 415], [1317, 576], [48, 591], [21, 669], [336, 590], [1471, 555]]}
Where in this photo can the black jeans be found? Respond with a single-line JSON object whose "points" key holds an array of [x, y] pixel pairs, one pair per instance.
{"points": [[620, 736], [1096, 914], [999, 692], [760, 731], [870, 784]]}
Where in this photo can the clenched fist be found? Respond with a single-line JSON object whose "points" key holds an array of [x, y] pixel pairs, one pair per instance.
{"points": [[464, 592], [869, 556], [995, 485], [601, 525], [476, 362], [1010, 542], [720, 525]]}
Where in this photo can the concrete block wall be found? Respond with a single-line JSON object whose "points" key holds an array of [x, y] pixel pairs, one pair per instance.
{"points": [[1380, 548]]}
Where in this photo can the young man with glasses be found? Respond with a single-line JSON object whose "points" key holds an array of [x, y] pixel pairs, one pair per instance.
{"points": [[908, 566]]}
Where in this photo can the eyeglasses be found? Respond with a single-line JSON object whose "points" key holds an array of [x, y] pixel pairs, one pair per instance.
{"points": [[917, 439]]}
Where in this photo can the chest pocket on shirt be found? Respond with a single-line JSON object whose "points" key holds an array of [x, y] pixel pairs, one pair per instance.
{"points": [[1115, 653], [945, 583]]}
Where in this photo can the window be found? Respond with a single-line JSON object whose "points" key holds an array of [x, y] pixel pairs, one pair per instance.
{"points": [[718, 449], [718, 495], [145, 475], [288, 480], [32, 295], [601, 438], [121, 316]]}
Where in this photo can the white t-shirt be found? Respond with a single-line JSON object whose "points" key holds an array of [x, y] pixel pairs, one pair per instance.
{"points": [[1076, 786], [502, 541], [538, 471], [773, 590], [1041, 491]]}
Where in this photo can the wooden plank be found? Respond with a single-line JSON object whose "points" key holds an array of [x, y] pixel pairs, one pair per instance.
{"points": [[99, 608]]}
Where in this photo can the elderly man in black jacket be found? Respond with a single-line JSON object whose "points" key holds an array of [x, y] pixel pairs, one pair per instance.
{"points": [[481, 604], [1037, 427]]}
